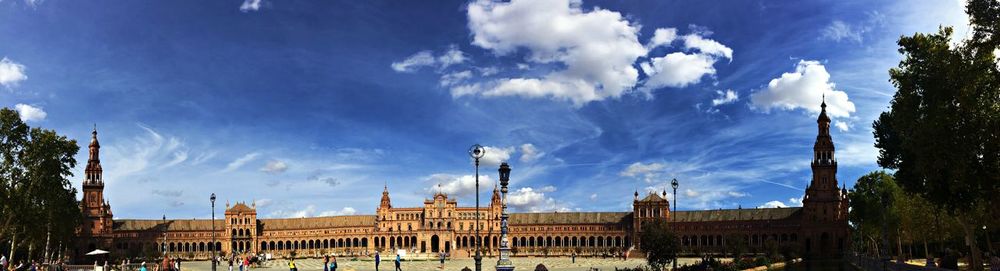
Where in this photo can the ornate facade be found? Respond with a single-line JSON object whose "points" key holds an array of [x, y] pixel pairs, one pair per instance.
{"points": [[818, 228]]}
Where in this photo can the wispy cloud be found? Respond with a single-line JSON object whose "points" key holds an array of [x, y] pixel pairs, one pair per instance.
{"points": [[239, 162]]}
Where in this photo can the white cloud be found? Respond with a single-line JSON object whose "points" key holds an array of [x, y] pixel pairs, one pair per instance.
{"points": [[792, 202], [451, 79], [596, 47], [680, 69], [727, 97], [795, 202], [144, 152], [11, 73], [530, 153], [662, 36], [804, 88], [30, 113], [457, 186], [648, 172], [527, 199], [774, 204], [274, 167], [427, 59], [677, 69], [311, 211], [239, 162], [593, 197], [737, 194], [839, 30], [251, 5], [707, 46], [344, 211], [495, 155], [843, 126]]}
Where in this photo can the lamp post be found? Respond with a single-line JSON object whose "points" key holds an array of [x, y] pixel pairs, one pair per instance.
{"points": [[477, 152], [674, 184], [504, 264], [164, 236], [212, 245]]}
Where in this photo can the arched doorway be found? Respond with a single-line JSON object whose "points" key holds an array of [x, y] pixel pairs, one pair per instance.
{"points": [[447, 247], [435, 242], [423, 247], [824, 244]]}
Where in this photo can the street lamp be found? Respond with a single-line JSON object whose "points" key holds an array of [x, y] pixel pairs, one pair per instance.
{"points": [[674, 184], [504, 264], [212, 245], [476, 152], [164, 236]]}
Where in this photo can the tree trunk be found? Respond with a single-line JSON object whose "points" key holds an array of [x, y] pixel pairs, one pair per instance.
{"points": [[48, 237], [926, 253], [899, 247], [13, 240], [969, 229]]}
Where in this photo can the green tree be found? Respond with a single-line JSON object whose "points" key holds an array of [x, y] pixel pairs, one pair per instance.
{"points": [[659, 242], [38, 204], [942, 131], [868, 210], [736, 244]]}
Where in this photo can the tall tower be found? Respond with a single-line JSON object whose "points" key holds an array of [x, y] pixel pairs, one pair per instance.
{"points": [[96, 211], [383, 212], [824, 205]]}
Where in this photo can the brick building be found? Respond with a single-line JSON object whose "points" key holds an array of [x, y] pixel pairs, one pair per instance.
{"points": [[819, 228]]}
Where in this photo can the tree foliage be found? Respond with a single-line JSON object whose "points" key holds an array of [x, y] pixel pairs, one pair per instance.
{"points": [[659, 242], [37, 201], [942, 131]]}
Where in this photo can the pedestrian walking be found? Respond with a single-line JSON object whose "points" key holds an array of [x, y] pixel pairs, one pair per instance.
{"points": [[291, 265], [3, 262], [399, 261], [441, 255], [574, 257], [143, 267], [230, 264], [378, 259], [326, 262], [333, 264]]}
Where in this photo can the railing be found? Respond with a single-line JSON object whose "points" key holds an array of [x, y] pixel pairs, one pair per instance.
{"points": [[871, 264]]}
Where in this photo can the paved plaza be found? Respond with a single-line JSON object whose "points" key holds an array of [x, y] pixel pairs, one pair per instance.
{"points": [[524, 264]]}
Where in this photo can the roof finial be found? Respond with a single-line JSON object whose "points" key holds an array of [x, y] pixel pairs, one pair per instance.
{"points": [[824, 101]]}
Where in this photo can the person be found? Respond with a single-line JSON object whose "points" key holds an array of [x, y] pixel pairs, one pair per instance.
{"points": [[3, 261], [574, 257], [326, 262], [291, 265], [398, 262], [377, 260], [246, 262], [994, 261], [230, 264], [441, 255], [142, 267], [177, 264], [333, 264]]}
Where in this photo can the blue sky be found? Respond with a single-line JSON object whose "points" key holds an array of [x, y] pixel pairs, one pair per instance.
{"points": [[309, 107]]}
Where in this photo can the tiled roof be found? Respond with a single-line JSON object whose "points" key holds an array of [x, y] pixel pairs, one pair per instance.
{"points": [[735, 214], [240, 208], [570, 218], [318, 222], [175, 225], [653, 197]]}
